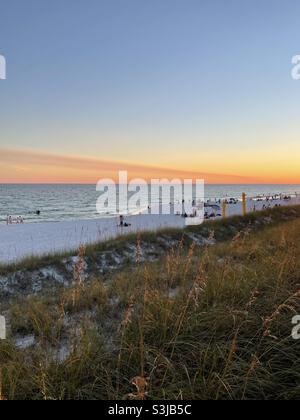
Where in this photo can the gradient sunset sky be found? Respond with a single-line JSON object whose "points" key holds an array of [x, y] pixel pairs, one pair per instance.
{"points": [[159, 87]]}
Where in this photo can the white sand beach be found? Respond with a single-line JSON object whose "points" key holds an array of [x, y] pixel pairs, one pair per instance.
{"points": [[19, 241]]}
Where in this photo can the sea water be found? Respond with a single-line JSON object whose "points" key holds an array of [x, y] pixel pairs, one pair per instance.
{"points": [[71, 202]]}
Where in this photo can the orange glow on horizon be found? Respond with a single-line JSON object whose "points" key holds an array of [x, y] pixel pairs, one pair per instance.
{"points": [[29, 167]]}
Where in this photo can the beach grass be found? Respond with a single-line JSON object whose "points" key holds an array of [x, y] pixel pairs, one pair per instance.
{"points": [[210, 322]]}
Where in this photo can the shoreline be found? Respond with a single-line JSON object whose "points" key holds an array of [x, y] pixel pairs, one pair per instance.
{"points": [[20, 241]]}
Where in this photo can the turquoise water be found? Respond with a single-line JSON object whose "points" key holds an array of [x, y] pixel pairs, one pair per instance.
{"points": [[69, 202]]}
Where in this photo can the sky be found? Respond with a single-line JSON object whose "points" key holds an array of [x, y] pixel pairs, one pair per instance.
{"points": [[160, 87]]}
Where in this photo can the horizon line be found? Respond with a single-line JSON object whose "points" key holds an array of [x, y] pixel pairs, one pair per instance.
{"points": [[95, 183]]}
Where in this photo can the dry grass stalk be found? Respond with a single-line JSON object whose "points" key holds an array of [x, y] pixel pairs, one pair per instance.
{"points": [[142, 321], [231, 354], [128, 314], [188, 260], [287, 305], [138, 249], [253, 298], [124, 324], [62, 305], [240, 238], [199, 285], [176, 258], [78, 275], [255, 363], [2, 398], [141, 385]]}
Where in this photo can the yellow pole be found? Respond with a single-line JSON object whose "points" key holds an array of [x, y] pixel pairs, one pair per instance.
{"points": [[244, 204], [224, 208]]}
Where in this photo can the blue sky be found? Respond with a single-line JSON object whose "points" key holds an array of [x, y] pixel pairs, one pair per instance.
{"points": [[185, 84]]}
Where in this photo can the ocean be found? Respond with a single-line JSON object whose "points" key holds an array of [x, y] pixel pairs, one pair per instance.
{"points": [[73, 202]]}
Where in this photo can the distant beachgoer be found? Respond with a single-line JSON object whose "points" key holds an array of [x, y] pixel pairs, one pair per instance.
{"points": [[38, 212], [10, 220], [123, 223]]}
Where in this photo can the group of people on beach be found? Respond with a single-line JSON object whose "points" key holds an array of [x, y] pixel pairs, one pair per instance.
{"points": [[214, 208], [123, 223], [277, 197], [266, 207], [11, 221]]}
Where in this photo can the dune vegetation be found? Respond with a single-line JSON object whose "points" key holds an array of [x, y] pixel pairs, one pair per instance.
{"points": [[201, 322]]}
